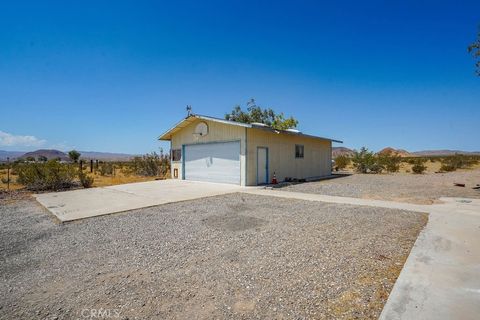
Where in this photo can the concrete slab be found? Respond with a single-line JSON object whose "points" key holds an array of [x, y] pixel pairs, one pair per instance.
{"points": [[441, 277], [86, 203]]}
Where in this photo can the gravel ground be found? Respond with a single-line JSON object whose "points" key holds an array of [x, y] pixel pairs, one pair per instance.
{"points": [[420, 189], [235, 256]]}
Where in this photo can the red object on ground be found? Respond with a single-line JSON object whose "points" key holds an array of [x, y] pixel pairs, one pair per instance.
{"points": [[274, 179]]}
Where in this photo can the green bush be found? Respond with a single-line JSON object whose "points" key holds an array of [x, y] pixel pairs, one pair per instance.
{"points": [[389, 161], [6, 180], [106, 168], [50, 175], [419, 166], [151, 164], [342, 161], [365, 161], [457, 161], [85, 180], [446, 167]]}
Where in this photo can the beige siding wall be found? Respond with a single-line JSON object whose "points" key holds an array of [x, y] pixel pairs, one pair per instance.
{"points": [[281, 156], [217, 132], [281, 151]]}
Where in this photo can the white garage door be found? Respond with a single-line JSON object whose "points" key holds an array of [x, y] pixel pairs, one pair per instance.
{"points": [[213, 162]]}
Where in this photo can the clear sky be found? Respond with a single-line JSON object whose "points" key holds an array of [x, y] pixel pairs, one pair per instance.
{"points": [[113, 75]]}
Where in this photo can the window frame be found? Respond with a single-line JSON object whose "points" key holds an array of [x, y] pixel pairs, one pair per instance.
{"points": [[299, 155], [173, 153]]}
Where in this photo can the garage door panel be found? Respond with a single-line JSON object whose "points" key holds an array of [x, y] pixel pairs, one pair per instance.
{"points": [[213, 162]]}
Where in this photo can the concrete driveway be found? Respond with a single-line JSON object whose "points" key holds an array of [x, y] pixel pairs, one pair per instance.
{"points": [[86, 203]]}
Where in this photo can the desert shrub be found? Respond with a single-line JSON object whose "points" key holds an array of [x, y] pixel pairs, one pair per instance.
{"points": [[457, 161], [6, 180], [85, 180], [106, 168], [389, 161], [342, 161], [365, 161], [447, 167], [150, 164], [419, 166], [409, 160], [50, 175]]}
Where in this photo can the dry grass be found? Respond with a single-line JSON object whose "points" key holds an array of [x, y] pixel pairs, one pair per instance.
{"points": [[13, 178], [99, 180], [119, 178]]}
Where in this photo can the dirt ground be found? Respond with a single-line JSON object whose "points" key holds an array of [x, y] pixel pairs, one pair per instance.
{"points": [[414, 188], [235, 256]]}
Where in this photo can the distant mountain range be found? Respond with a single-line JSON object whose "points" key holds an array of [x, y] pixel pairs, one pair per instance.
{"points": [[49, 154], [397, 152], [107, 156], [10, 154], [54, 154], [341, 151], [444, 152], [336, 151]]}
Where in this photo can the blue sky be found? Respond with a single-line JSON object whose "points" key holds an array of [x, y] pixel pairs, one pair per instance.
{"points": [[113, 75]]}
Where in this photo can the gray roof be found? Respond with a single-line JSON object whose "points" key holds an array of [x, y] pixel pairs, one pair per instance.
{"points": [[191, 118]]}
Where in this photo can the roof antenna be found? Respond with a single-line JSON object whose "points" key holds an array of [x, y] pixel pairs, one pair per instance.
{"points": [[189, 110]]}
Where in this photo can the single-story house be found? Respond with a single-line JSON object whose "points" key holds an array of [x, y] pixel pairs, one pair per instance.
{"points": [[248, 154]]}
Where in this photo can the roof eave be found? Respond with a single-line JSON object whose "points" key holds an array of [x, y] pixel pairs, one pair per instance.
{"points": [[167, 136]]}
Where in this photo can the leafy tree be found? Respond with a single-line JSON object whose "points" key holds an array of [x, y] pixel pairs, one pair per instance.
{"points": [[256, 113], [42, 158], [390, 161], [30, 158], [365, 161], [74, 155], [474, 49]]}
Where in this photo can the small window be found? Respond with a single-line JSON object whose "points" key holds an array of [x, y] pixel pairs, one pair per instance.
{"points": [[298, 151], [176, 154]]}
